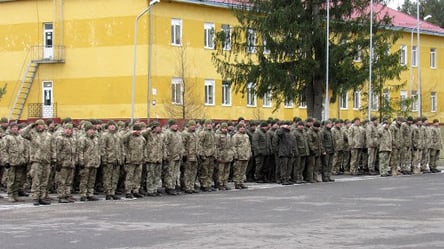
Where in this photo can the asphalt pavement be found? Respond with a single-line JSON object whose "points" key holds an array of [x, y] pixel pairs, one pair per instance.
{"points": [[353, 212]]}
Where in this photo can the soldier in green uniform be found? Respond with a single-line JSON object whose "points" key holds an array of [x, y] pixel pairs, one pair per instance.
{"points": [[371, 139], [190, 165], [207, 141], [134, 146], [242, 153], [259, 147], [224, 157], [329, 146], [436, 146], [316, 150], [385, 148], [174, 151]]}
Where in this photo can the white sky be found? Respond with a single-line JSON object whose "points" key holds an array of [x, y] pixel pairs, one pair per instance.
{"points": [[394, 4]]}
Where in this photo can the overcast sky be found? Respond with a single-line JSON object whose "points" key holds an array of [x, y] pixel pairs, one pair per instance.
{"points": [[394, 4]]}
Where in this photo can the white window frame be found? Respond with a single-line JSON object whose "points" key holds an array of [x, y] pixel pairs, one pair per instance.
{"points": [[288, 103], [414, 56], [415, 102], [375, 101], [302, 101], [264, 44], [357, 100], [267, 100], [433, 102], [344, 101], [433, 58], [251, 41], [403, 98], [226, 28], [226, 93], [357, 55], [251, 95], [176, 32], [177, 91], [403, 55], [386, 96], [209, 29], [209, 92]]}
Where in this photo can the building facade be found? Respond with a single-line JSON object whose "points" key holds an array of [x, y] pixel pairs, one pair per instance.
{"points": [[76, 58]]}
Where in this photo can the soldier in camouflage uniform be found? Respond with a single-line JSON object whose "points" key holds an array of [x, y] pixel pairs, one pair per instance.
{"points": [[347, 148], [242, 153], [316, 150], [406, 146], [40, 156], [207, 141], [425, 158], [259, 147], [385, 148], [329, 146], [338, 137], [155, 152], [224, 157], [65, 157], [14, 161], [436, 146], [174, 151], [356, 141], [111, 152], [285, 149], [417, 145], [371, 139], [190, 156], [89, 160], [395, 130], [134, 147], [300, 137]]}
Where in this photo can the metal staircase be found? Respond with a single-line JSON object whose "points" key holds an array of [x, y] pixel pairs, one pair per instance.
{"points": [[23, 91]]}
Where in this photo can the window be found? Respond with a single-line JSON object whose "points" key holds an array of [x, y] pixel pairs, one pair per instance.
{"points": [[357, 55], [403, 100], [386, 98], [375, 101], [415, 101], [267, 100], [251, 41], [302, 101], [209, 92], [177, 91], [251, 95], [288, 103], [403, 55], [176, 32], [227, 36], [264, 44], [226, 93], [356, 99], [433, 104], [433, 57], [414, 56], [209, 35], [344, 101]]}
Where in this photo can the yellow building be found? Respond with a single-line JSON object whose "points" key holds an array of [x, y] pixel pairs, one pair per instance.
{"points": [[75, 58]]}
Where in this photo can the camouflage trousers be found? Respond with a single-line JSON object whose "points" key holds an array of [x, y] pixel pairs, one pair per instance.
{"points": [[64, 179], [132, 178], [223, 172], [416, 161], [434, 157], [425, 159], [327, 164], [153, 176], [354, 160], [405, 158], [384, 160], [371, 160], [189, 175], [394, 161], [338, 159], [346, 161], [14, 178], [111, 174], [206, 172], [298, 168], [286, 167], [239, 170], [87, 181], [40, 178], [172, 174]]}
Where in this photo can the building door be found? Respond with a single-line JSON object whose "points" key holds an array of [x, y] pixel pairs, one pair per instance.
{"points": [[48, 39], [48, 105]]}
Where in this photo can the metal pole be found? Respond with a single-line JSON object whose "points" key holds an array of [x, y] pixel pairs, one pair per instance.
{"points": [[419, 60], [150, 52], [370, 94], [326, 109]]}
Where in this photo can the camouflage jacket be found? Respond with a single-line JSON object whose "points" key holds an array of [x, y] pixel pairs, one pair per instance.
{"points": [[40, 147], [191, 145], [259, 143], [396, 135], [356, 137], [406, 135], [89, 151], [371, 135], [385, 139], [207, 141], [427, 137], [338, 137], [315, 142], [417, 137], [224, 148], [285, 143], [328, 141], [242, 146], [173, 145], [111, 148], [134, 147], [155, 147], [14, 150], [436, 138], [65, 151], [271, 141], [301, 142]]}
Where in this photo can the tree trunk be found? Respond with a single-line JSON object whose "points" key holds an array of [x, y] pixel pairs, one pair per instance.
{"points": [[314, 99]]}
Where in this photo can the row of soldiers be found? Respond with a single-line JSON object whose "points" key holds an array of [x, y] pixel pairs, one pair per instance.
{"points": [[145, 158]]}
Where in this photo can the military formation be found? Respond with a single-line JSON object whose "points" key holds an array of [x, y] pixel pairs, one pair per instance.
{"points": [[137, 160]]}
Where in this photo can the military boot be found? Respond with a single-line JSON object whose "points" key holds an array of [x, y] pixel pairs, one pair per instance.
{"points": [[36, 202], [92, 198], [44, 202]]}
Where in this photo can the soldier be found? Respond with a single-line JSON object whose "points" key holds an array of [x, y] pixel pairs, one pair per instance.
{"points": [[259, 147], [207, 141], [89, 161], [271, 159], [338, 137], [40, 156], [436, 146], [417, 145], [363, 161], [427, 142], [356, 142], [406, 146], [285, 149], [3, 171], [174, 151], [385, 148], [14, 161], [251, 167], [395, 130], [329, 146], [303, 152], [242, 153], [347, 148], [134, 146], [316, 150], [224, 157], [65, 159], [111, 152], [371, 138], [190, 157]]}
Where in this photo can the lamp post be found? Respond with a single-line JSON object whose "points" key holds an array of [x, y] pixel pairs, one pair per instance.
{"points": [[136, 25], [370, 94], [326, 109], [419, 94]]}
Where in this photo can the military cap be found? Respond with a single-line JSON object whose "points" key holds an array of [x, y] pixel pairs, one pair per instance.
{"points": [[309, 120], [191, 123], [223, 125], [88, 125], [327, 122], [110, 122], [121, 124], [40, 122], [373, 118], [409, 118], [3, 120], [240, 118], [66, 120], [154, 124], [435, 121], [423, 119], [137, 127], [300, 123], [317, 124], [263, 124], [68, 126], [240, 126], [171, 122], [208, 121], [12, 124]]}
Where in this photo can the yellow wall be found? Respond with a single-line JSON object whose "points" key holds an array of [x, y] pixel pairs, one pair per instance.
{"points": [[95, 80]]}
